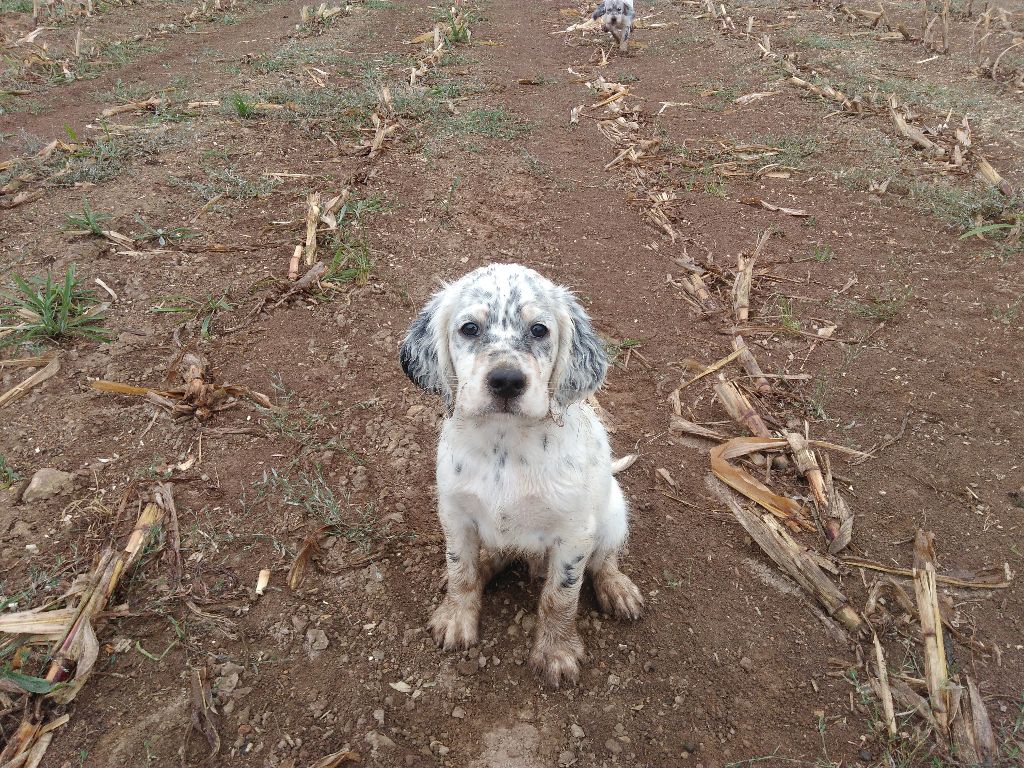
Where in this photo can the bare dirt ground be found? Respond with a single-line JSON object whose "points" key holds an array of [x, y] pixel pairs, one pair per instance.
{"points": [[881, 327]]}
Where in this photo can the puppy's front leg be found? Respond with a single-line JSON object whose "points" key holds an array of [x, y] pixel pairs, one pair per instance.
{"points": [[558, 649], [455, 622]]}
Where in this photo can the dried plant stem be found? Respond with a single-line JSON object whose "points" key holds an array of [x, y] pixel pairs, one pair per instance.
{"points": [[926, 591]]}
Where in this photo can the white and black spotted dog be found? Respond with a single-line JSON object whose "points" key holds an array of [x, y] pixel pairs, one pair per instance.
{"points": [[524, 467], [617, 18]]}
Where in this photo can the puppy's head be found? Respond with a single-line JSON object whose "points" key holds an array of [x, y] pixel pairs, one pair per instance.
{"points": [[617, 12], [503, 339]]}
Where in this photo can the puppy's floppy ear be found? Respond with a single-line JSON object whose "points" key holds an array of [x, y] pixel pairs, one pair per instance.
{"points": [[582, 362], [424, 353], [598, 12]]}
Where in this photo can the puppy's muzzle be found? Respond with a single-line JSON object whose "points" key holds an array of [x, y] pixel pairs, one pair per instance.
{"points": [[506, 383]]}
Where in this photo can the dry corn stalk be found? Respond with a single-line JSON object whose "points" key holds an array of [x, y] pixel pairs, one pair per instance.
{"points": [[991, 176], [952, 581], [20, 389], [839, 513], [75, 647], [712, 368], [196, 397], [979, 727], [750, 364], [741, 288], [321, 13], [825, 91], [697, 288], [133, 106], [833, 513], [262, 581], [312, 219], [202, 709], [926, 591], [807, 463], [381, 131], [440, 42], [337, 759], [686, 427], [884, 691], [309, 547], [797, 562], [914, 134], [786, 509], [739, 407], [589, 25], [328, 213]]}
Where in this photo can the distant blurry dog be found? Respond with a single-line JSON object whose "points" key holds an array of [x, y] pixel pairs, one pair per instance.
{"points": [[617, 18], [523, 465]]}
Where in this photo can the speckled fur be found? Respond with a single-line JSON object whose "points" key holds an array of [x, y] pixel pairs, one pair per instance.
{"points": [[617, 19], [531, 477]]}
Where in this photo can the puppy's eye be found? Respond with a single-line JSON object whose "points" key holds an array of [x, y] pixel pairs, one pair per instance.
{"points": [[539, 331], [470, 329]]}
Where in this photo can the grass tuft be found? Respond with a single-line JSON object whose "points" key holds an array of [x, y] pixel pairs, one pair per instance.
{"points": [[493, 123], [882, 309], [822, 254], [42, 308], [351, 263], [88, 220], [164, 235], [8, 476], [241, 106], [203, 310], [311, 492]]}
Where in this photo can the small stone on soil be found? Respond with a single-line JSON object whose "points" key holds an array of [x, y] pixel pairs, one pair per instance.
{"points": [[47, 483]]}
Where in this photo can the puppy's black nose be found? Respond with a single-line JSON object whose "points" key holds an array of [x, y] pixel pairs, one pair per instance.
{"points": [[506, 382]]}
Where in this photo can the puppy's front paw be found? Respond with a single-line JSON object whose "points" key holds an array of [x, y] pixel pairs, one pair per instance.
{"points": [[454, 625], [618, 595], [557, 661]]}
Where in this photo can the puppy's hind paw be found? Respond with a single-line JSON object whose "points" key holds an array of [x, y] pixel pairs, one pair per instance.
{"points": [[557, 661], [454, 626], [618, 595]]}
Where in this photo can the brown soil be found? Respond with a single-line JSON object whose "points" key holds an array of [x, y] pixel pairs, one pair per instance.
{"points": [[731, 663]]}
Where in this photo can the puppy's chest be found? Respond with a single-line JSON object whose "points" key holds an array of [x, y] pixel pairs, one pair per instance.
{"points": [[510, 472], [519, 494]]}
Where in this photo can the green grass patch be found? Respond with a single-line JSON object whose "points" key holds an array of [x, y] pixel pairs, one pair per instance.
{"points": [[88, 221], [311, 492], [202, 311], [39, 309], [883, 308], [497, 123], [822, 254], [8, 476], [963, 206], [229, 183], [238, 104]]}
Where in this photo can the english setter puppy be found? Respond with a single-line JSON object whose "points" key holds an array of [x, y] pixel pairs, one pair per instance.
{"points": [[523, 464], [617, 18]]}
